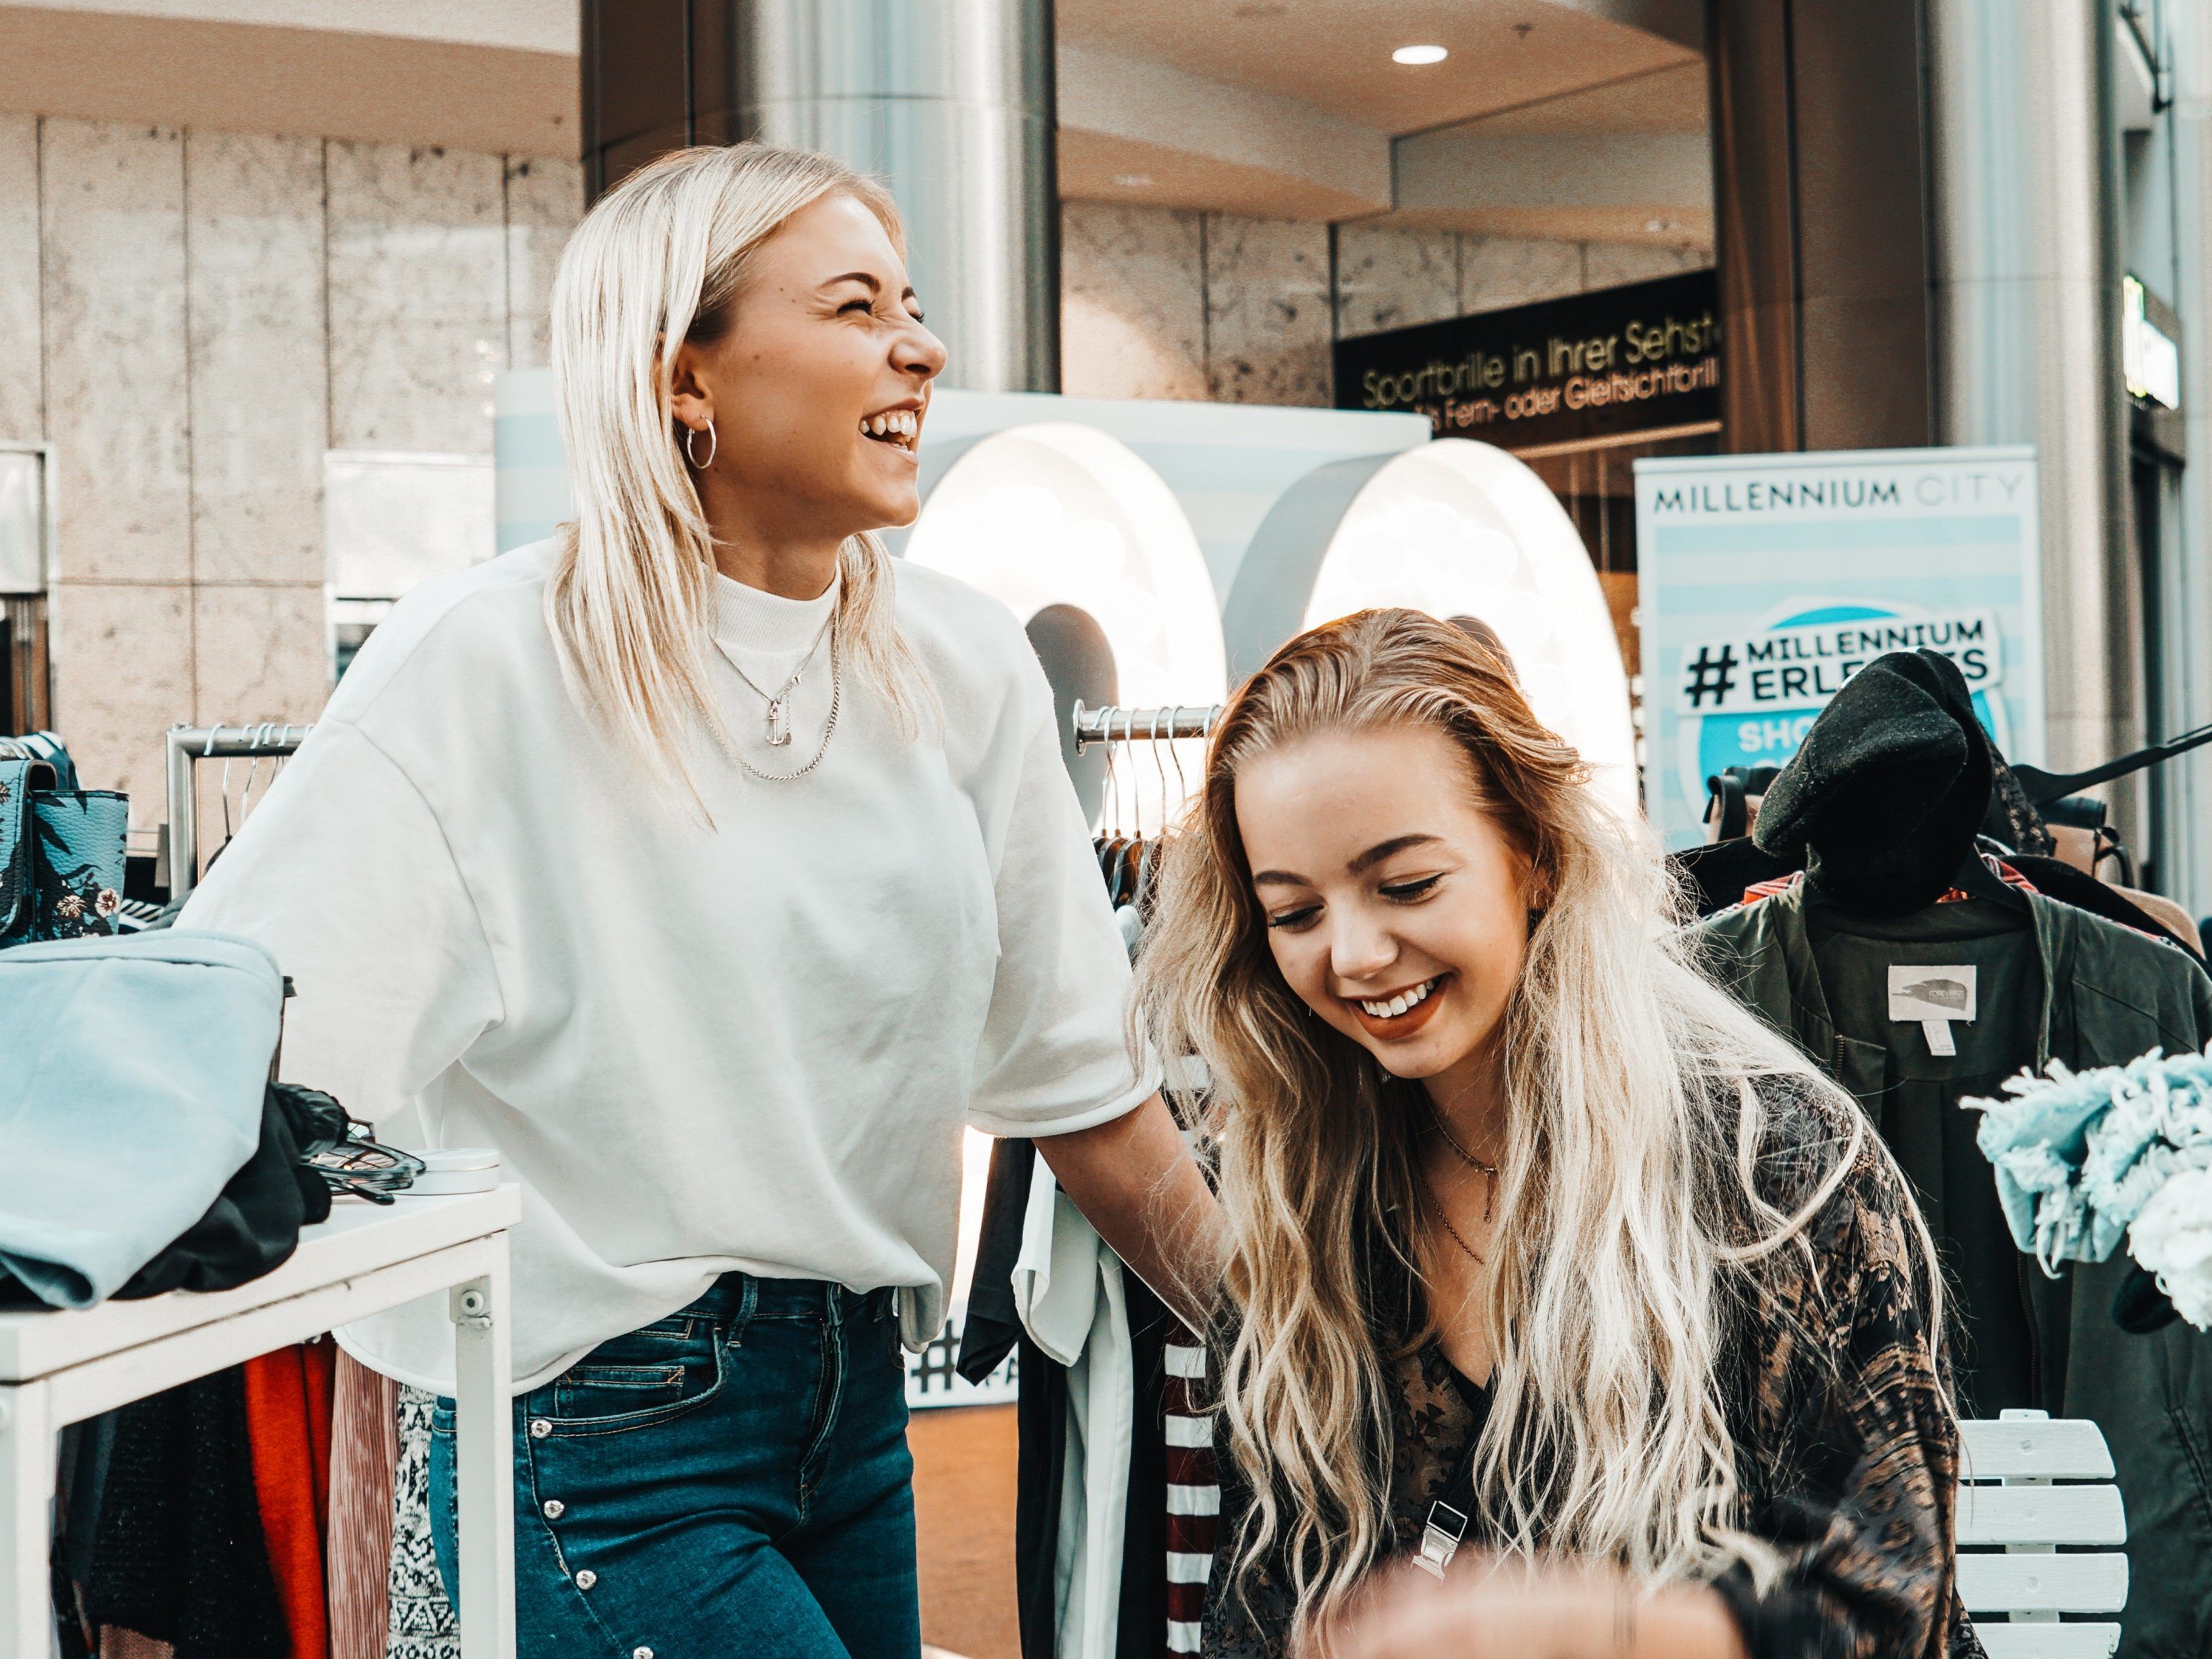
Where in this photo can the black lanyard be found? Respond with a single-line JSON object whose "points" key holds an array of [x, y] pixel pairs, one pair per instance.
{"points": [[1445, 1528]]}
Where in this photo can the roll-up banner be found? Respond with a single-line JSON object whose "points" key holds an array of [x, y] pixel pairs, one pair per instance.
{"points": [[1765, 581]]}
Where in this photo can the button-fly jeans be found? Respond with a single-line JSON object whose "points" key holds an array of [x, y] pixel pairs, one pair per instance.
{"points": [[734, 1479]]}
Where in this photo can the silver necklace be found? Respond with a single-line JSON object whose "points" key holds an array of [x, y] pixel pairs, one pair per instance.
{"points": [[776, 712], [779, 706]]}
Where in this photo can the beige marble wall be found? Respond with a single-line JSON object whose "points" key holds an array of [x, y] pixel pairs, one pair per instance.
{"points": [[1133, 306], [1388, 277], [259, 653], [1267, 332], [192, 320], [254, 233], [544, 200], [1158, 303], [1498, 271], [23, 388], [118, 408], [122, 656], [1610, 265], [418, 296]]}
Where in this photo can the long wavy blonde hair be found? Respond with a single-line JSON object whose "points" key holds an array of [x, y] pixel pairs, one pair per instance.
{"points": [[1629, 1221], [662, 260]]}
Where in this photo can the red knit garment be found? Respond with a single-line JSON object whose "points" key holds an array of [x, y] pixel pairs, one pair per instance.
{"points": [[288, 1417]]}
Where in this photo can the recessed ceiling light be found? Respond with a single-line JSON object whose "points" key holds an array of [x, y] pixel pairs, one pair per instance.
{"points": [[1133, 180], [1419, 55]]}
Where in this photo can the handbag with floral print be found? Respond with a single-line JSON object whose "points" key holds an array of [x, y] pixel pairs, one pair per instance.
{"points": [[61, 848]]}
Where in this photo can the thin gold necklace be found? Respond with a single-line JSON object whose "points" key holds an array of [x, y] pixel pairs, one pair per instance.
{"points": [[1437, 1204], [1452, 1141]]}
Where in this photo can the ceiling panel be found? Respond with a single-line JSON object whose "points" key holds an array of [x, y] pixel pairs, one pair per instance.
{"points": [[1672, 99], [1335, 54]]}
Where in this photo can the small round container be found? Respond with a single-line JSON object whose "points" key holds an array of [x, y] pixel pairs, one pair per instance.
{"points": [[456, 1169]]}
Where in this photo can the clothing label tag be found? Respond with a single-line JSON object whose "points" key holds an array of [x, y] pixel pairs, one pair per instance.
{"points": [[1932, 998]]}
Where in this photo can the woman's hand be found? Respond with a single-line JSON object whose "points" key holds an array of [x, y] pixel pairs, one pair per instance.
{"points": [[1488, 1609]]}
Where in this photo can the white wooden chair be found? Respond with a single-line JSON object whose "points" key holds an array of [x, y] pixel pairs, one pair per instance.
{"points": [[2013, 1519]]}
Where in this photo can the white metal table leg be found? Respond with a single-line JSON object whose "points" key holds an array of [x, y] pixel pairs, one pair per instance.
{"points": [[483, 1462], [26, 1491]]}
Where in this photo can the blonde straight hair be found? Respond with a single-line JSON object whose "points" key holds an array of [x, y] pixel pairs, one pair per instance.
{"points": [[1641, 1100], [663, 259]]}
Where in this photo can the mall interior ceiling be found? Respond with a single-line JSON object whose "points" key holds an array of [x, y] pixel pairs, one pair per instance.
{"points": [[1550, 120], [1567, 120]]}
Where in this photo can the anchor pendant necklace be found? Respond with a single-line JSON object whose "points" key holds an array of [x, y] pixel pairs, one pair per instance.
{"points": [[779, 705]]}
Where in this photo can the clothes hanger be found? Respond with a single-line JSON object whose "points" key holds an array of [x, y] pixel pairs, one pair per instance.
{"points": [[1975, 877], [2043, 788]]}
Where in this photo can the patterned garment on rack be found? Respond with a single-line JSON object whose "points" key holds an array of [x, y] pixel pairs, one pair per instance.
{"points": [[422, 1619], [1194, 1495]]}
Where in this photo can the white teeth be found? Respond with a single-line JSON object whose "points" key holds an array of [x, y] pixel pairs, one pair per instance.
{"points": [[1401, 1003], [899, 423]]}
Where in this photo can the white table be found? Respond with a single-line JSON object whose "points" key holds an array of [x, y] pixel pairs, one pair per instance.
{"points": [[58, 1367]]}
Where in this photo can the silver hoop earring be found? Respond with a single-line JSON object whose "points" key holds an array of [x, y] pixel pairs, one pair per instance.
{"points": [[714, 443]]}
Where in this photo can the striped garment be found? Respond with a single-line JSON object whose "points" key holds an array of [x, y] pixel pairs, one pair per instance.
{"points": [[1194, 1495]]}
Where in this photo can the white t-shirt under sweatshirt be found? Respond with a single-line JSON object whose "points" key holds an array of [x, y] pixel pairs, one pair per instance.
{"points": [[752, 1045]]}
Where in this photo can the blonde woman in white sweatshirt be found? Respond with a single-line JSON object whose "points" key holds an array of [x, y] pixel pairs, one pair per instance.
{"points": [[718, 871]]}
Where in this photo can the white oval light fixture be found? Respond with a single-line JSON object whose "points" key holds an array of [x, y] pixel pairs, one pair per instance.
{"points": [[1419, 55]]}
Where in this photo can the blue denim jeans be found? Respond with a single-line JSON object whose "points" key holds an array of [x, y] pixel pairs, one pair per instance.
{"points": [[731, 1480]]}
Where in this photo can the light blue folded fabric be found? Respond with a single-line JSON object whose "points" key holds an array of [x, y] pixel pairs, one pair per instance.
{"points": [[132, 1075]]}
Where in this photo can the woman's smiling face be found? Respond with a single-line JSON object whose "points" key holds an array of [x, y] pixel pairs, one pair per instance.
{"points": [[1397, 907]]}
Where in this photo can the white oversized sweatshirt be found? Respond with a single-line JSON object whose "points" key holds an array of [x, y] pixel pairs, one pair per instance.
{"points": [[749, 1045]]}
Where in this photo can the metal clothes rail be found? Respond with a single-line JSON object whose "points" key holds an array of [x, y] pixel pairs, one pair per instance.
{"points": [[1113, 725], [189, 743]]}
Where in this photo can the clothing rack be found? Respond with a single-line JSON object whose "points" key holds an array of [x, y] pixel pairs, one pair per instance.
{"points": [[1112, 725], [188, 744]]}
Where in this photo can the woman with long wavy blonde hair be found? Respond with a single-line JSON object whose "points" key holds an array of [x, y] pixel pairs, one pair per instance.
{"points": [[1541, 1248], [715, 871]]}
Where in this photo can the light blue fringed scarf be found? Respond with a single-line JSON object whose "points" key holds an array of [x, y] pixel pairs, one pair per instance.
{"points": [[2083, 1159]]}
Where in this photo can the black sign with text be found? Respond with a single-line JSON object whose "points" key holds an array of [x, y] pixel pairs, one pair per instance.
{"points": [[1590, 366]]}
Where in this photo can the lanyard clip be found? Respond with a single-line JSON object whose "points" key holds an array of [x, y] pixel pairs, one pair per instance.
{"points": [[1440, 1539]]}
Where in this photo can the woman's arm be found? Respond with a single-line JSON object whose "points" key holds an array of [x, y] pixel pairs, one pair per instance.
{"points": [[1137, 1183]]}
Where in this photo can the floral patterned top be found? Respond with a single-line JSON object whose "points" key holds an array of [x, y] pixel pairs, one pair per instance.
{"points": [[1847, 1453]]}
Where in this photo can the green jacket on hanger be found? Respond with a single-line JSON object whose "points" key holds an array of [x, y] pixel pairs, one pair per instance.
{"points": [[2090, 992]]}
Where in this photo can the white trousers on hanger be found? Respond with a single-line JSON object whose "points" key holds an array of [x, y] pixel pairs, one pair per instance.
{"points": [[1067, 1290]]}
